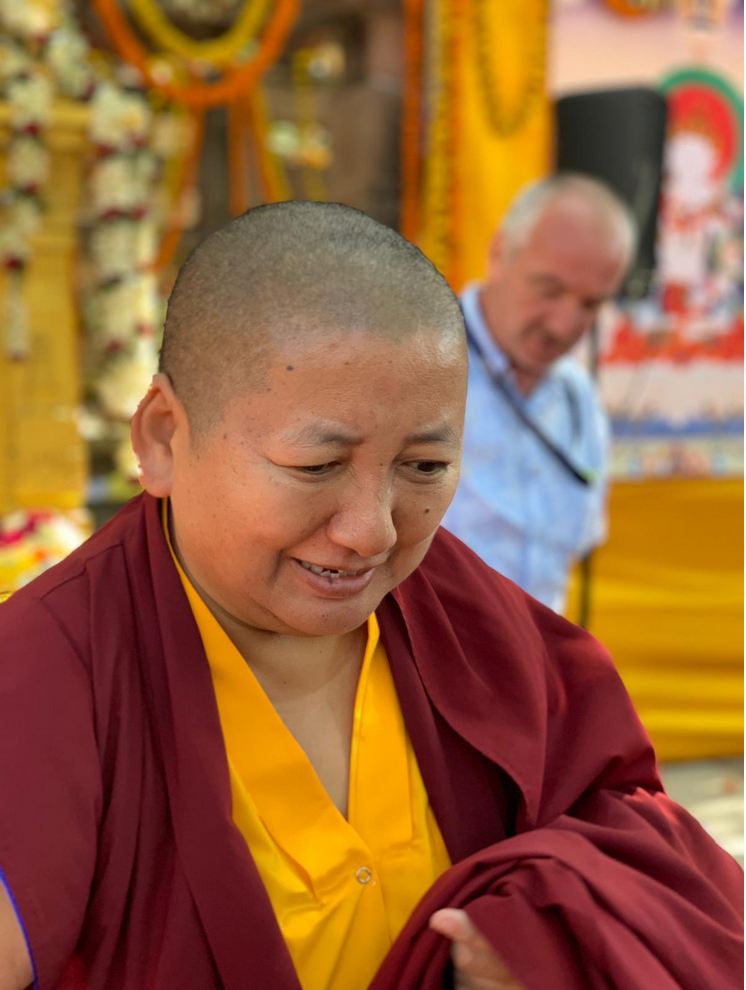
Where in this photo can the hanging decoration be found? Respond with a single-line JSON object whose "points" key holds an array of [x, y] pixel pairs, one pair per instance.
{"points": [[239, 189], [123, 307], [313, 151], [44, 55], [475, 123], [197, 75], [269, 166], [438, 162], [202, 13], [123, 301], [503, 121], [162, 75], [182, 206], [412, 111], [46, 58], [27, 169], [28, 91], [229, 48]]}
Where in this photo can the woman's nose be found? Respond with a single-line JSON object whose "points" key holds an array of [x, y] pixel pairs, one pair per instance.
{"points": [[364, 524]]}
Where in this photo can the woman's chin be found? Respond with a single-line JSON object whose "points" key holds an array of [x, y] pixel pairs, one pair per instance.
{"points": [[337, 620]]}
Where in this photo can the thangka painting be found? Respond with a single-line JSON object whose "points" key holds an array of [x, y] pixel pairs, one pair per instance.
{"points": [[671, 364]]}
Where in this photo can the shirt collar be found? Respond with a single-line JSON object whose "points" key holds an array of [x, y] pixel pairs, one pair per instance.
{"points": [[495, 359]]}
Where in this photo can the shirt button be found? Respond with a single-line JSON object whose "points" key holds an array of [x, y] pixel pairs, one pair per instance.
{"points": [[364, 875]]}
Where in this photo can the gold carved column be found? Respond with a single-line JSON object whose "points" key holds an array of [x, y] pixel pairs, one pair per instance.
{"points": [[43, 461]]}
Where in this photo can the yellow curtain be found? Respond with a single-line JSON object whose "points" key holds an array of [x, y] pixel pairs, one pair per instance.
{"points": [[667, 601], [487, 124]]}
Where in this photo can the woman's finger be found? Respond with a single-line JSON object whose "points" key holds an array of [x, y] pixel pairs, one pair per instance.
{"points": [[472, 954], [458, 926]]}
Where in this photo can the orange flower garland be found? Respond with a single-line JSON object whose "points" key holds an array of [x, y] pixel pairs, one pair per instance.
{"points": [[187, 179], [411, 127], [274, 184], [239, 193], [438, 171], [166, 36], [454, 49], [503, 122], [200, 95]]}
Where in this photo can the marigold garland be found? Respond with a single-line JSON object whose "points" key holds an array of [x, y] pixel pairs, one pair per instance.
{"points": [[186, 181], [220, 51], [454, 54], [193, 93], [502, 122], [438, 163], [305, 109], [270, 170], [411, 127], [239, 193], [439, 58]]}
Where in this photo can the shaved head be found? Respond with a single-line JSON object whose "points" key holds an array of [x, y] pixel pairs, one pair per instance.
{"points": [[277, 275]]}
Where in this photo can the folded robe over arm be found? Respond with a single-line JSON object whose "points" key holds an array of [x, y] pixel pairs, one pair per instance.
{"points": [[116, 838]]}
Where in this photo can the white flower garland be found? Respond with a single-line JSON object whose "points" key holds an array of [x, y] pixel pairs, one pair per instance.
{"points": [[29, 94], [42, 51]]}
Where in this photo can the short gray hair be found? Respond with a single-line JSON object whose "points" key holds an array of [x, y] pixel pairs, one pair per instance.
{"points": [[532, 202], [290, 270]]}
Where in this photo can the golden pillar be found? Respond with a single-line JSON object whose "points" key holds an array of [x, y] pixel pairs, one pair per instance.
{"points": [[42, 456]]}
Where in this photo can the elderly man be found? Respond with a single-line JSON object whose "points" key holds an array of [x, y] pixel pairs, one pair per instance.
{"points": [[272, 728], [531, 500]]}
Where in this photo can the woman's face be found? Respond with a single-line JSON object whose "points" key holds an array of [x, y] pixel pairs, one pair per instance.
{"points": [[345, 464]]}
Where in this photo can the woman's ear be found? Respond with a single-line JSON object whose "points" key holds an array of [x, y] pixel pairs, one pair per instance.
{"points": [[153, 427]]}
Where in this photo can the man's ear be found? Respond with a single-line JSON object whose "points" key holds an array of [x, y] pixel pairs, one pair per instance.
{"points": [[153, 427], [496, 253]]}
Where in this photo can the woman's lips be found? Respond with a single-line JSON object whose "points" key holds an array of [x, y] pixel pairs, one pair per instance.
{"points": [[344, 586]]}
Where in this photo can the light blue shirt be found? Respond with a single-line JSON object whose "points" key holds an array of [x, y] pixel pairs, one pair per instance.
{"points": [[516, 505]]}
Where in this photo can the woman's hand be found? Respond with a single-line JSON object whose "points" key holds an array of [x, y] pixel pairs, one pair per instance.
{"points": [[477, 966]]}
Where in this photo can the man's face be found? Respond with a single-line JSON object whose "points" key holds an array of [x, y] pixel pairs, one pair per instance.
{"points": [[347, 463], [543, 298]]}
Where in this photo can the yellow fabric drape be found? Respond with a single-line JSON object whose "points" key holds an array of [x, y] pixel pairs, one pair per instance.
{"points": [[667, 601], [488, 126]]}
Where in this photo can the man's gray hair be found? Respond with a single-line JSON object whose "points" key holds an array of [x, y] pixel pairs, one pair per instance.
{"points": [[530, 205]]}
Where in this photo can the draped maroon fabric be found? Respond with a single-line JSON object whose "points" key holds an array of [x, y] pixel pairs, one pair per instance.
{"points": [[116, 838]]}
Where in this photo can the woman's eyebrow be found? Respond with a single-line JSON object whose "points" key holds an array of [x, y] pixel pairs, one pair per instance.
{"points": [[439, 434], [318, 434]]}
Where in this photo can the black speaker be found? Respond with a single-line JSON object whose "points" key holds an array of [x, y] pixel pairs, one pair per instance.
{"points": [[617, 136]]}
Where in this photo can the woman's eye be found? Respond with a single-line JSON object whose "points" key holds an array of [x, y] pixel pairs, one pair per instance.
{"points": [[317, 468], [429, 467]]}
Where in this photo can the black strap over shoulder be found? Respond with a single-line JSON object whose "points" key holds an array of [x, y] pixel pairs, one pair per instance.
{"points": [[581, 475]]}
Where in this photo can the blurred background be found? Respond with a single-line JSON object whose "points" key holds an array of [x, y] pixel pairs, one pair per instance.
{"points": [[130, 129]]}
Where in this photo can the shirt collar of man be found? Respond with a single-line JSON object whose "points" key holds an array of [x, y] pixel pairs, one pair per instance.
{"points": [[496, 359]]}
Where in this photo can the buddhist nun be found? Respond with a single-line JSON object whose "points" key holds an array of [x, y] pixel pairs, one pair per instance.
{"points": [[271, 728]]}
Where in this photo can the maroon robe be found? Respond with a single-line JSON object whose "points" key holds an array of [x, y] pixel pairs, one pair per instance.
{"points": [[116, 838]]}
